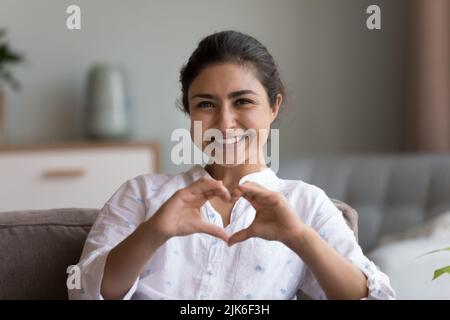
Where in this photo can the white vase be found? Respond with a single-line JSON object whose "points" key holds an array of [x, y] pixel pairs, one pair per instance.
{"points": [[107, 115]]}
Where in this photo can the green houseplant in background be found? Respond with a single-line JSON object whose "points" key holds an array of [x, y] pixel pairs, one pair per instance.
{"points": [[7, 58], [439, 272]]}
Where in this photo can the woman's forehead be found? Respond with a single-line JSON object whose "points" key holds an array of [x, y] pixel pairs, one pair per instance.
{"points": [[223, 79]]}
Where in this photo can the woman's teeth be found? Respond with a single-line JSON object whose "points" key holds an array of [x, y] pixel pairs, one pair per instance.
{"points": [[229, 141]]}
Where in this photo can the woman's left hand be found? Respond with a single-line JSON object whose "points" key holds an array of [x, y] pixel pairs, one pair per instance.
{"points": [[275, 219]]}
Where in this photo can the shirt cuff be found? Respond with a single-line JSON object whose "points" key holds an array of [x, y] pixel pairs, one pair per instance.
{"points": [[377, 283]]}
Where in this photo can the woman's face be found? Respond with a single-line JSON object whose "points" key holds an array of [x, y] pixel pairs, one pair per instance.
{"points": [[230, 99]]}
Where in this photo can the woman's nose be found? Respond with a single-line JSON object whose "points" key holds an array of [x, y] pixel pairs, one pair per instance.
{"points": [[225, 119]]}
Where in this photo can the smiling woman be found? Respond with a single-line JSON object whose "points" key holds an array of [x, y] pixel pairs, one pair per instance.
{"points": [[231, 84], [230, 99], [231, 230]]}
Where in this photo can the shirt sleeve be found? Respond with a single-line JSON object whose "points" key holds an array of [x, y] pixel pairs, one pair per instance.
{"points": [[331, 226], [118, 218]]}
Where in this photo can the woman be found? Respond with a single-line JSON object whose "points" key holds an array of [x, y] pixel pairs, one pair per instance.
{"points": [[227, 230]]}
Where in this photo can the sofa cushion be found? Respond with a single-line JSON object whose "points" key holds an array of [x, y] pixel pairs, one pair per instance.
{"points": [[391, 192], [437, 229], [37, 247], [402, 257]]}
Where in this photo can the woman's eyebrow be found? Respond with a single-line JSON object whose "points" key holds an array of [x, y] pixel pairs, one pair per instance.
{"points": [[204, 96], [233, 94], [240, 93]]}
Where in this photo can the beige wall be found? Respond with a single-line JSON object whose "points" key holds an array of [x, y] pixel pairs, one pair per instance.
{"points": [[346, 84]]}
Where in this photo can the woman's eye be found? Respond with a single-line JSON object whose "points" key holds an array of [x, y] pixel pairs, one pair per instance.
{"points": [[243, 101], [205, 105]]}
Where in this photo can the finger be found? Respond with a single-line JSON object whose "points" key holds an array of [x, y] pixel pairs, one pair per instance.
{"points": [[249, 185], [255, 193], [248, 192], [204, 184], [222, 193], [240, 236], [218, 192], [213, 230], [208, 188], [236, 194], [241, 192], [253, 186]]}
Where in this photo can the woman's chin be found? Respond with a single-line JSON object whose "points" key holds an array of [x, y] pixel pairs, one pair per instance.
{"points": [[228, 165]]}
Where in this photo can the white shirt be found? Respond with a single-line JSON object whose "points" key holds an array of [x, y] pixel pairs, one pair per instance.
{"points": [[200, 266]]}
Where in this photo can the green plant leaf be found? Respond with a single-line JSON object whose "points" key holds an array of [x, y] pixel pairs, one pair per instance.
{"points": [[434, 251], [7, 58], [441, 271]]}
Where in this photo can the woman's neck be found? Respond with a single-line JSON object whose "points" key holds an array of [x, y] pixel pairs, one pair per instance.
{"points": [[230, 176]]}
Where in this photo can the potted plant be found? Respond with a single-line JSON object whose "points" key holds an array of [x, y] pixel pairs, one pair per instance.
{"points": [[7, 57], [439, 272]]}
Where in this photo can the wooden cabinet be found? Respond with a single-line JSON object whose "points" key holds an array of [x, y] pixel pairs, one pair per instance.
{"points": [[82, 175]]}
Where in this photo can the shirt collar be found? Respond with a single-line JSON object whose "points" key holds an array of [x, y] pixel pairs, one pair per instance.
{"points": [[266, 177]]}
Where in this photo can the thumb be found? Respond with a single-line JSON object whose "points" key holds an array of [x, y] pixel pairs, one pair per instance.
{"points": [[240, 236]]}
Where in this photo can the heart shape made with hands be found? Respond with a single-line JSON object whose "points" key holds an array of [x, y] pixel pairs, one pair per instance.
{"points": [[273, 219]]}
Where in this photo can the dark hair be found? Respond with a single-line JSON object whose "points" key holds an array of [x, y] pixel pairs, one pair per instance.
{"points": [[232, 46]]}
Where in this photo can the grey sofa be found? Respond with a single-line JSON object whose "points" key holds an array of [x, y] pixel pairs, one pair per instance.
{"points": [[36, 248], [391, 193]]}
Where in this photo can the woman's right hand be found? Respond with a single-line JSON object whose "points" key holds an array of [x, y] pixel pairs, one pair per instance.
{"points": [[180, 214]]}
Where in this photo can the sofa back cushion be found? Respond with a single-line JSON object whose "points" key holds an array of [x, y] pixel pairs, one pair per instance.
{"points": [[391, 192], [36, 248]]}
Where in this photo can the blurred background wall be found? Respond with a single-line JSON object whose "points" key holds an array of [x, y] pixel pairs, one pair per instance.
{"points": [[347, 86]]}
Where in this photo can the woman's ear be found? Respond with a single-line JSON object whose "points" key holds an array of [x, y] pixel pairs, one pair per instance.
{"points": [[276, 107]]}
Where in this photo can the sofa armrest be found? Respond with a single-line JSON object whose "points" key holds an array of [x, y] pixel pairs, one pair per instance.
{"points": [[350, 215]]}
